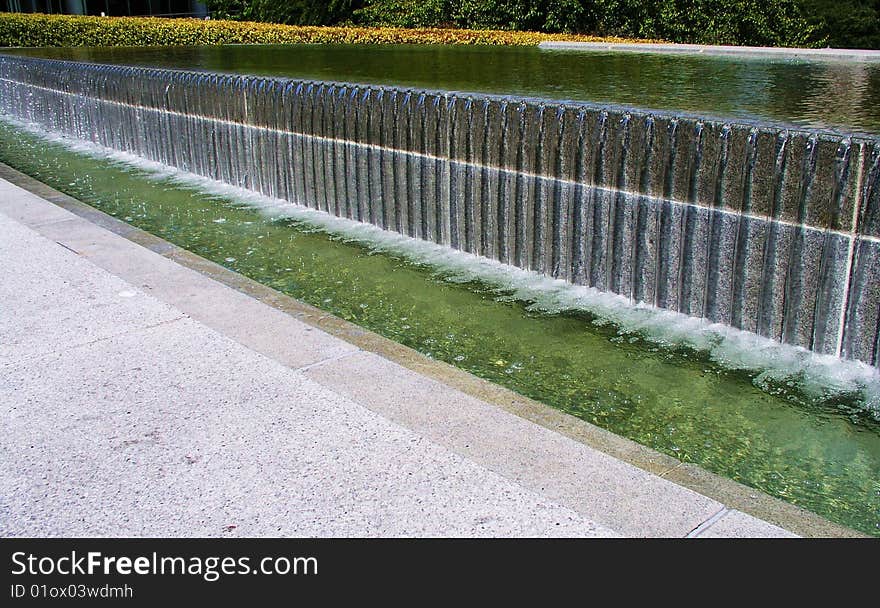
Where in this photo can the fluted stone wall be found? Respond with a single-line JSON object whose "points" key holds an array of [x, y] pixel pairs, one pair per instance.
{"points": [[770, 229]]}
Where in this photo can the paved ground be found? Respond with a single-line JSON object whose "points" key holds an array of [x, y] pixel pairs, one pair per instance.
{"points": [[141, 398]]}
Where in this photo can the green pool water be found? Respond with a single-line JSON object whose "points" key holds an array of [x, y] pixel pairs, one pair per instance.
{"points": [[813, 454], [818, 94]]}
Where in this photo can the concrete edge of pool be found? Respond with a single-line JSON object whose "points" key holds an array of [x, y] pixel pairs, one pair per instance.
{"points": [[617, 482], [751, 52]]}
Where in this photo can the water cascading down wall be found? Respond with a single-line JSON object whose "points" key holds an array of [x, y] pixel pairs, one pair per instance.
{"points": [[770, 229]]}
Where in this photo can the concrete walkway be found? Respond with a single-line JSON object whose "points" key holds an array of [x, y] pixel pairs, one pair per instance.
{"points": [[139, 397]]}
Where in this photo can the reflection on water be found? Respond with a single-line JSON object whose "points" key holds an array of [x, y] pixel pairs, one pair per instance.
{"points": [[818, 94]]}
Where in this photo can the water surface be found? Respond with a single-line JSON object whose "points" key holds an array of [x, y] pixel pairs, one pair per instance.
{"points": [[816, 93]]}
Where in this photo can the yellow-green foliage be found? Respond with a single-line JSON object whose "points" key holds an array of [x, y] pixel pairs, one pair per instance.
{"points": [[17, 29]]}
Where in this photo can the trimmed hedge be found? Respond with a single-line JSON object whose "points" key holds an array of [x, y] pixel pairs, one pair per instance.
{"points": [[34, 29]]}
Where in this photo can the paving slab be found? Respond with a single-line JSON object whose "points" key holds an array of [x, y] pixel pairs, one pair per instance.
{"points": [[736, 524], [745, 499], [176, 430], [237, 315], [13, 203], [264, 329], [625, 498], [50, 299]]}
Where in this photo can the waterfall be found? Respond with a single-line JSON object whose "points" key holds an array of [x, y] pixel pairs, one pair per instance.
{"points": [[764, 227]]}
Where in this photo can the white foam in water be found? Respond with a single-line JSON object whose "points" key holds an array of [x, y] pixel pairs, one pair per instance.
{"points": [[772, 363]]}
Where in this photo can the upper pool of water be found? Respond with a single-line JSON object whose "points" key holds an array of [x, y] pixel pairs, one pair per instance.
{"points": [[814, 94]]}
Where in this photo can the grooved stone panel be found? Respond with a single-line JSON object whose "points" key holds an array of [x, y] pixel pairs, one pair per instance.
{"points": [[769, 229]]}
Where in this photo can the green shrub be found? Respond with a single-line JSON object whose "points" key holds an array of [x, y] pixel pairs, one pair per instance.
{"points": [[406, 13], [301, 12], [17, 29], [747, 22], [845, 23]]}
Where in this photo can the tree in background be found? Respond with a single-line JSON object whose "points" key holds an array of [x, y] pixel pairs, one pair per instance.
{"points": [[229, 9], [845, 23], [295, 12], [747, 22], [304, 12], [840, 23]]}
